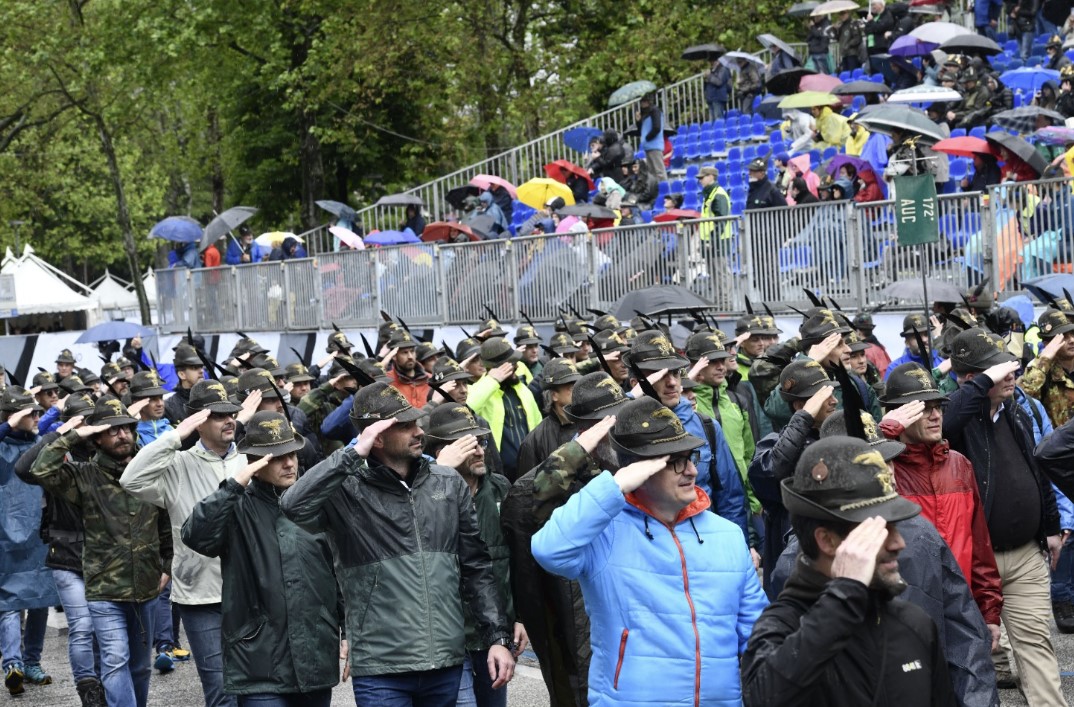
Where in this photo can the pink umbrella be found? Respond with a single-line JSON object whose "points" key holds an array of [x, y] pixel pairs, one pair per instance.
{"points": [[347, 236], [824, 83], [485, 181], [565, 224]]}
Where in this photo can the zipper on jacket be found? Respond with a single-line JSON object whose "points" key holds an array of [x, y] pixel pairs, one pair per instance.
{"points": [[622, 652], [693, 619], [424, 574]]}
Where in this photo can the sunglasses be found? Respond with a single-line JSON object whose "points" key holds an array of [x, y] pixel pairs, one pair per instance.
{"points": [[221, 416]]}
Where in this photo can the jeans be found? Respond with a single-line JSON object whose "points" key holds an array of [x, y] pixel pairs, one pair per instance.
{"points": [[426, 688], [321, 698], [1063, 575], [1025, 43], [165, 620], [717, 109], [20, 646], [203, 633], [476, 685], [820, 63], [122, 629], [81, 646]]}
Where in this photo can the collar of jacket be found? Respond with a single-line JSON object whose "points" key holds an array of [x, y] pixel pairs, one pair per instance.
{"points": [[382, 477], [743, 360], [110, 466], [921, 455], [266, 492], [697, 506], [202, 451], [420, 376]]}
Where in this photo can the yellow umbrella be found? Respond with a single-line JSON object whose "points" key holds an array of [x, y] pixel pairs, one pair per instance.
{"points": [[809, 99], [537, 192]]}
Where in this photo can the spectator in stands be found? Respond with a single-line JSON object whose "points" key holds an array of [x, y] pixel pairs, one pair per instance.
{"points": [[800, 168], [850, 173], [1065, 103], [781, 61], [783, 172], [986, 16], [286, 250], [650, 123], [673, 201], [985, 174], [800, 193], [868, 189], [626, 178], [856, 138], [748, 85], [244, 250], [904, 74], [1023, 16], [817, 42], [644, 185], [183, 255], [762, 193], [797, 129], [489, 208], [1047, 98], [879, 24], [1057, 60], [851, 42], [503, 199], [628, 215], [831, 128], [717, 89], [608, 161], [414, 220]]}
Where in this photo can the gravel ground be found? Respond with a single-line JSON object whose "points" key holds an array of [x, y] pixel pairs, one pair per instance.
{"points": [[182, 689]]}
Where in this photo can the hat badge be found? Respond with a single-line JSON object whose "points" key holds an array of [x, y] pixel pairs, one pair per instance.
{"points": [[273, 427], [663, 344], [615, 390], [115, 406], [819, 472]]}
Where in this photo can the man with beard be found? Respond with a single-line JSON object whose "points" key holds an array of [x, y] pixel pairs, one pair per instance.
{"points": [[505, 402], [174, 479], [298, 376], [406, 375], [427, 355], [127, 551], [557, 380], [833, 636], [551, 607]]}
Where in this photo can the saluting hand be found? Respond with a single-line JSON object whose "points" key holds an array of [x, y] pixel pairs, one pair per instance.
{"points": [[250, 405], [632, 476], [697, 368], [856, 556], [456, 453], [592, 437], [369, 435], [907, 414], [819, 352], [250, 470], [191, 423]]}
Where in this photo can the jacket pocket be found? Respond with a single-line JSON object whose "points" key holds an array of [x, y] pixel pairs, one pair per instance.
{"points": [[248, 631], [622, 654]]}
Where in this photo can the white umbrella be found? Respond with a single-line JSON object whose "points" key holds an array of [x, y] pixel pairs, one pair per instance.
{"points": [[939, 32], [925, 94], [271, 238], [347, 236], [834, 7], [730, 60]]}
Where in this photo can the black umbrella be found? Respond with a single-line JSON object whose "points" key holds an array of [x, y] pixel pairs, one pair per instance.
{"points": [[913, 290], [802, 9], [1021, 149], [861, 88], [482, 225], [1024, 119], [399, 200], [586, 211], [662, 299], [971, 44], [337, 208], [458, 195], [224, 223], [786, 82], [703, 51], [634, 132]]}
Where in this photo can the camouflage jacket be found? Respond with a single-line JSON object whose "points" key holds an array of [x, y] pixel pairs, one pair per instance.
{"points": [[1050, 384], [317, 405], [128, 542], [559, 477]]}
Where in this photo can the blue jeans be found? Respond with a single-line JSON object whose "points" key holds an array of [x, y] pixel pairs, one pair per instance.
{"points": [[81, 647], [426, 688], [1025, 43], [717, 109], [476, 685], [1063, 575], [321, 698], [21, 647], [202, 624], [122, 629], [165, 620], [820, 63]]}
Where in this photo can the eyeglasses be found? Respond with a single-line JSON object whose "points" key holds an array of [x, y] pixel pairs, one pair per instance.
{"points": [[678, 463], [935, 406], [483, 442], [221, 416], [116, 431]]}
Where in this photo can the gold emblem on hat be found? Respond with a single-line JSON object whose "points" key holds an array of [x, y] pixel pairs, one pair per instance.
{"points": [[922, 377], [666, 349], [115, 406], [614, 388], [869, 424], [273, 427], [219, 389]]}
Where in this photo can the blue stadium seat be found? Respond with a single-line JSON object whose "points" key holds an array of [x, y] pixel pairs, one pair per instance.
{"points": [[675, 186], [691, 172], [719, 147], [958, 132], [647, 216], [877, 78], [758, 132], [721, 178], [844, 76], [978, 131], [829, 152], [856, 74], [958, 168], [732, 113], [690, 201], [749, 152], [737, 192], [735, 153], [693, 151], [663, 189]]}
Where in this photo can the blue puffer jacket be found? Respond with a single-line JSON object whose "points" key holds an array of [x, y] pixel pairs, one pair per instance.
{"points": [[730, 500], [670, 608], [909, 357]]}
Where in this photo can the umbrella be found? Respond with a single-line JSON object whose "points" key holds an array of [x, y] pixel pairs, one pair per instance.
{"points": [[482, 226], [559, 170], [677, 215], [730, 59], [909, 45], [925, 94], [391, 237], [839, 160], [1055, 135], [578, 139], [785, 82], [347, 236], [861, 88], [834, 7], [271, 238], [911, 289], [939, 32], [448, 232], [226, 222], [1050, 286], [971, 44], [399, 200], [587, 211], [771, 41], [630, 92], [809, 99], [113, 331], [487, 181], [801, 9], [634, 132], [703, 51], [537, 192], [1019, 149], [966, 146], [1024, 119], [1028, 80], [337, 208], [885, 118], [661, 299], [456, 196], [181, 229], [819, 82]]}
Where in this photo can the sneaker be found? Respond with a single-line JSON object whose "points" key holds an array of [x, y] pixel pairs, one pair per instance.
{"points": [[164, 662], [36, 675], [1064, 616], [178, 654], [13, 680], [1005, 680]]}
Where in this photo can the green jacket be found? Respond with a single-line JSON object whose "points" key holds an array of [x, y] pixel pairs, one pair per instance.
{"points": [[128, 542], [491, 491], [735, 422], [486, 399], [281, 615], [407, 558], [318, 404]]}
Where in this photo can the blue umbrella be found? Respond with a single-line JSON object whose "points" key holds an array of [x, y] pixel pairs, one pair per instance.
{"points": [[1028, 80], [578, 139], [908, 45], [181, 229], [113, 331], [1050, 286], [391, 238]]}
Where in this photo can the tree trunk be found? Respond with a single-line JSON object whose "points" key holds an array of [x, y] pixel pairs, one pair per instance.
{"points": [[123, 218], [216, 178], [312, 167]]}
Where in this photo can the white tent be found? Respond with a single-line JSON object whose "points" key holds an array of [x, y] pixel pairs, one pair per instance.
{"points": [[42, 289], [111, 293], [149, 282]]}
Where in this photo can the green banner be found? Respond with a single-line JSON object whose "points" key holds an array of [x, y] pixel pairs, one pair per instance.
{"points": [[916, 219]]}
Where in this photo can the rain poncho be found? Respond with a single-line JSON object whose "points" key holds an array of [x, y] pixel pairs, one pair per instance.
{"points": [[612, 192], [832, 129]]}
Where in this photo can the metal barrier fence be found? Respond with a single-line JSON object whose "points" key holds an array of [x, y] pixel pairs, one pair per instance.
{"points": [[845, 250]]}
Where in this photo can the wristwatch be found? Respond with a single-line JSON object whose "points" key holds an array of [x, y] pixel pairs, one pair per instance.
{"points": [[503, 641]]}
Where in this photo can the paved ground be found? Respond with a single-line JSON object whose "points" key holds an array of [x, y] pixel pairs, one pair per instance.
{"points": [[181, 688]]}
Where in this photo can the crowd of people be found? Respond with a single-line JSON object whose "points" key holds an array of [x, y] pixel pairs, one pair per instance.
{"points": [[729, 520]]}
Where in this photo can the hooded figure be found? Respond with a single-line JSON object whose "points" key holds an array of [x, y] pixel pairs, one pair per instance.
{"points": [[287, 250], [611, 192], [870, 189], [801, 168], [609, 162], [489, 208]]}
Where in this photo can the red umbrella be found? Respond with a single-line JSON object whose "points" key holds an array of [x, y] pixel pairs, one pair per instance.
{"points": [[447, 232], [559, 170], [486, 181], [824, 83], [966, 146], [677, 215]]}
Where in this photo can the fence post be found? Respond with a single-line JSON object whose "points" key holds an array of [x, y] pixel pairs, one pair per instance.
{"points": [[191, 306], [591, 266], [239, 299], [441, 282], [682, 245], [856, 259], [511, 263], [990, 235], [746, 269]]}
